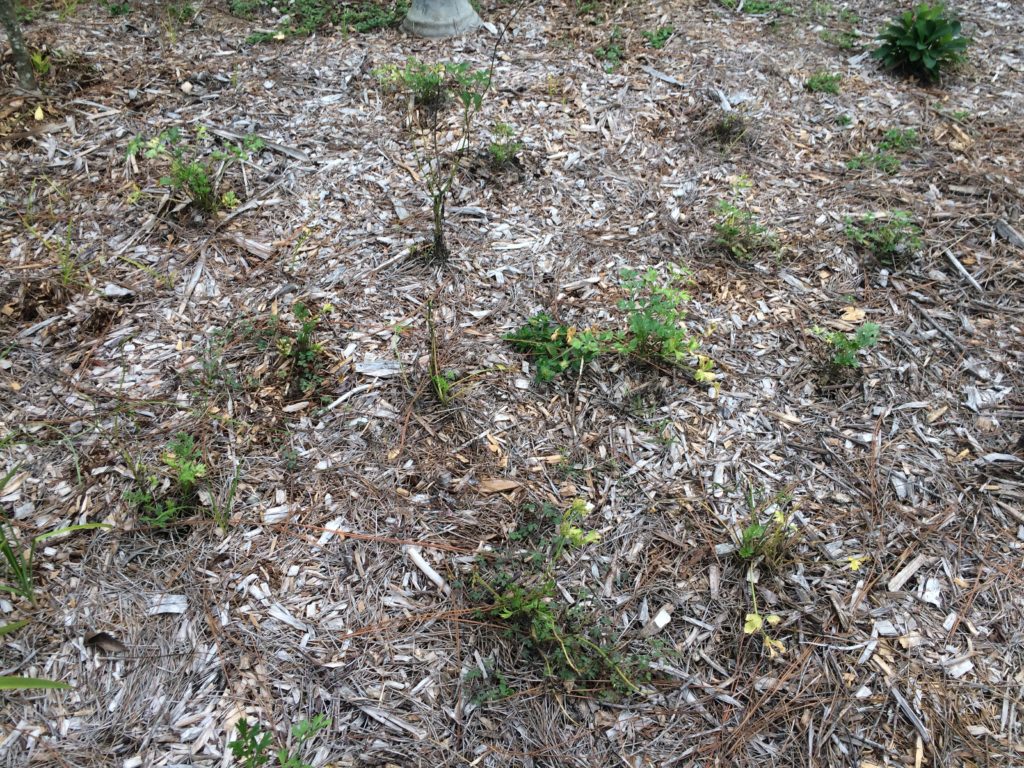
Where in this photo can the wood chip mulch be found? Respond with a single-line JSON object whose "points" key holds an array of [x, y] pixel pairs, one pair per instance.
{"points": [[354, 515]]}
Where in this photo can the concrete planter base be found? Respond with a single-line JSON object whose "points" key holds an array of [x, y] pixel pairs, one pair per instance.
{"points": [[440, 18]]}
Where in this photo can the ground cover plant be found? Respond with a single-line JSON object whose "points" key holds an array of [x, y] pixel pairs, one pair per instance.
{"points": [[846, 347], [194, 168], [372, 515], [895, 142], [300, 18], [659, 37], [893, 239], [823, 82], [654, 307], [253, 746], [922, 42], [518, 591]]}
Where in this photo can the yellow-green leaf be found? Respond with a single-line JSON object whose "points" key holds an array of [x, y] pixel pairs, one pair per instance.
{"points": [[753, 623]]}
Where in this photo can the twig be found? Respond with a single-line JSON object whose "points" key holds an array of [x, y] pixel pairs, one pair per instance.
{"points": [[962, 270], [417, 559]]}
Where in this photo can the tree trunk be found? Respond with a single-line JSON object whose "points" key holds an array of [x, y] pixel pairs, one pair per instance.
{"points": [[22, 62]]}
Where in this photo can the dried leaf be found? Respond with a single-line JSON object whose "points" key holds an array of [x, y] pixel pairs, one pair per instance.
{"points": [[104, 641], [853, 314]]}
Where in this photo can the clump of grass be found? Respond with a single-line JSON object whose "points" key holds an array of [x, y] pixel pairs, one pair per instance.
{"points": [[823, 82], [728, 130], [17, 560], [19, 682], [301, 18], [757, 7]]}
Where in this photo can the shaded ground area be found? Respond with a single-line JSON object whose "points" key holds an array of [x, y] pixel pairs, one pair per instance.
{"points": [[335, 481]]}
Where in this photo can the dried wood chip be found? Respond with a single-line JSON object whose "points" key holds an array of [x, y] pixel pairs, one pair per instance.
{"points": [[166, 603], [497, 485]]}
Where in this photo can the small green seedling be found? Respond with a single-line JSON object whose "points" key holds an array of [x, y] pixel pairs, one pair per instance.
{"points": [[895, 140], [505, 148], [898, 140], [181, 13], [160, 507], [301, 356], [195, 169], [611, 53], [253, 746], [182, 457], [893, 240], [659, 37], [922, 42], [845, 346], [41, 63], [518, 592], [118, 9], [739, 233], [770, 533], [823, 82], [499, 691]]}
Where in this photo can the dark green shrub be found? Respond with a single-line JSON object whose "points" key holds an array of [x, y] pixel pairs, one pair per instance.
{"points": [[922, 41]]}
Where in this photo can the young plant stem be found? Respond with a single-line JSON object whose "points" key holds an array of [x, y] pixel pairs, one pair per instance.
{"points": [[439, 184], [434, 366]]}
